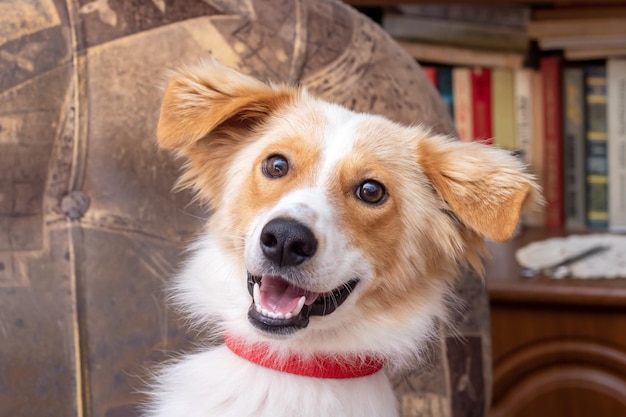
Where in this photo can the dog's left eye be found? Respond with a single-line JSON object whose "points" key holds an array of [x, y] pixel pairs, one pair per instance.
{"points": [[371, 192], [275, 166]]}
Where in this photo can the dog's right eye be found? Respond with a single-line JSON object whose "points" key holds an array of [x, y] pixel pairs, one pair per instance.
{"points": [[371, 192], [275, 166]]}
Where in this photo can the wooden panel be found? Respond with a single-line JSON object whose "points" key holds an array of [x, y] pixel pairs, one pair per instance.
{"points": [[559, 348], [530, 359], [571, 390], [521, 325]]}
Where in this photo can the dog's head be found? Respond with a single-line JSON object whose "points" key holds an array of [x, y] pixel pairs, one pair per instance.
{"points": [[329, 227]]}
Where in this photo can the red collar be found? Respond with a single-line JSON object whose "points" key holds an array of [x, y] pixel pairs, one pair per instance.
{"points": [[319, 366]]}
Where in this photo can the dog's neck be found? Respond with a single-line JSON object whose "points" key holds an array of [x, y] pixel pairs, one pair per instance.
{"points": [[317, 366]]}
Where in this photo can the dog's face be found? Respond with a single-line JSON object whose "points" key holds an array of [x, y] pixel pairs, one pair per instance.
{"points": [[334, 226]]}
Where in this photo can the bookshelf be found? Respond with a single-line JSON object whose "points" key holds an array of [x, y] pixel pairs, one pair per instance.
{"points": [[511, 80], [559, 346]]}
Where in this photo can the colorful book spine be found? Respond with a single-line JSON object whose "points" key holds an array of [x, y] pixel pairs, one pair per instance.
{"points": [[523, 91], [574, 148], [444, 84], [537, 218], [503, 108], [550, 68], [596, 146], [462, 90], [616, 79], [481, 105]]}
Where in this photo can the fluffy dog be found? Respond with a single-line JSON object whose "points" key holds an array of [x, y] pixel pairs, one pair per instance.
{"points": [[334, 241]]}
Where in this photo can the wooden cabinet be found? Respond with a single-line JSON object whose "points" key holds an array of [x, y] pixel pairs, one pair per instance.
{"points": [[559, 346]]}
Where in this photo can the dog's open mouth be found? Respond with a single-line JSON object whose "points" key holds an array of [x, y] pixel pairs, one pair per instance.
{"points": [[281, 307]]}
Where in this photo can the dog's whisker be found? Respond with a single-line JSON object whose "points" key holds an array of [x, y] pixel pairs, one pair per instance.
{"points": [[334, 300], [192, 215]]}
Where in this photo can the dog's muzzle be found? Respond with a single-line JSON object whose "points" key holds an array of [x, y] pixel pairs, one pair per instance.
{"points": [[278, 305]]}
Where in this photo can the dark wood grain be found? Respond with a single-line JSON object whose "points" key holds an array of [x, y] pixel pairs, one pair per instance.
{"points": [[559, 346]]}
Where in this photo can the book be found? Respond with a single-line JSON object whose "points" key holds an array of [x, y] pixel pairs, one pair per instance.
{"points": [[588, 54], [452, 32], [451, 55], [535, 157], [574, 148], [431, 73], [579, 27], [616, 83], [444, 84], [596, 146], [503, 108], [505, 15], [462, 91], [523, 91], [550, 67], [582, 42], [481, 105], [577, 12]]}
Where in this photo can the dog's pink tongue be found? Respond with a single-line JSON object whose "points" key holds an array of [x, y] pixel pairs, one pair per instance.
{"points": [[279, 296]]}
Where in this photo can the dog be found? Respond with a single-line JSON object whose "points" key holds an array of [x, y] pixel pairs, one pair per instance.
{"points": [[334, 243]]}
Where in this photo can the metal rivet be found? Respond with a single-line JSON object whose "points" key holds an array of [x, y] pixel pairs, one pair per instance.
{"points": [[75, 204]]}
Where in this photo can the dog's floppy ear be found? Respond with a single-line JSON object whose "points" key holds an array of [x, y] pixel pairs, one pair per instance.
{"points": [[486, 187], [204, 97]]}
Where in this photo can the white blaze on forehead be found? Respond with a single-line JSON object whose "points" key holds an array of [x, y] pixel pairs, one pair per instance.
{"points": [[339, 139], [306, 205], [333, 137]]}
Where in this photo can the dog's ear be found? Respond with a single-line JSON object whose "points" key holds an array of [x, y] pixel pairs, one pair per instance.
{"points": [[202, 98], [209, 112], [485, 187]]}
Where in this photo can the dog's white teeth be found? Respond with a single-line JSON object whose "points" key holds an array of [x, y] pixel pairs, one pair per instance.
{"points": [[271, 314], [256, 295], [298, 308]]}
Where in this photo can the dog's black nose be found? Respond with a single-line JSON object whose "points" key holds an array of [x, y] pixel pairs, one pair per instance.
{"points": [[287, 242]]}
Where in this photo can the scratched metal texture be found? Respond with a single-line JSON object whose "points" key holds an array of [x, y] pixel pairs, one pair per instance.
{"points": [[89, 228]]}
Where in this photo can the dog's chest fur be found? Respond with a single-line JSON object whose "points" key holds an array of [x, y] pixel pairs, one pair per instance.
{"points": [[219, 383]]}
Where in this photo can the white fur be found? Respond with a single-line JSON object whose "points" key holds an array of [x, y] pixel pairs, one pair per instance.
{"points": [[219, 383]]}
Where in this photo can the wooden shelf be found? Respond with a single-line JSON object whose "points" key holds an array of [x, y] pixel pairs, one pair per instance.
{"points": [[506, 284]]}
